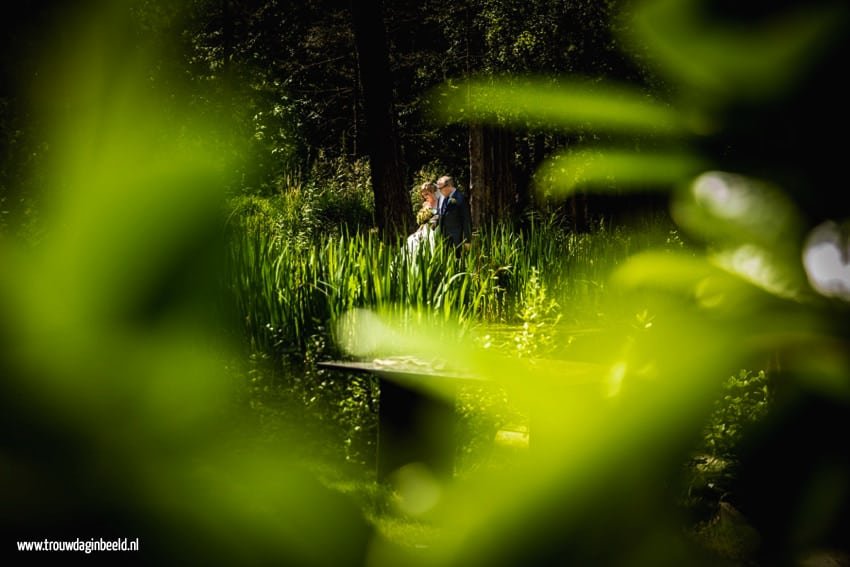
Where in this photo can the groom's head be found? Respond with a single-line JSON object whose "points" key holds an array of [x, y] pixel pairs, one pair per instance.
{"points": [[446, 185]]}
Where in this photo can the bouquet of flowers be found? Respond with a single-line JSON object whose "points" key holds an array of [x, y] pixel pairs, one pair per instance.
{"points": [[425, 214]]}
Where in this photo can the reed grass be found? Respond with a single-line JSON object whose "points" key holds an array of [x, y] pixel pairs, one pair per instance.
{"points": [[287, 289]]}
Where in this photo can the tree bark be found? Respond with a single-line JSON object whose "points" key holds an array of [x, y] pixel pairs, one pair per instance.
{"points": [[393, 213], [492, 181], [579, 212]]}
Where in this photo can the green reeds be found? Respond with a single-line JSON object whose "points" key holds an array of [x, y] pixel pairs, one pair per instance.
{"points": [[287, 290]]}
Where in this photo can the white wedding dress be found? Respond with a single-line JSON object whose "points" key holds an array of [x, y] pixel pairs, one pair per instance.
{"points": [[425, 233]]}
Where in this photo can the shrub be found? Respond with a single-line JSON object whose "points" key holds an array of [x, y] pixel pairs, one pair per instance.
{"points": [[337, 197], [744, 402]]}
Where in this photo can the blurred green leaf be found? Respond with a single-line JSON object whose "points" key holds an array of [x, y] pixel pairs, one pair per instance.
{"points": [[716, 60], [568, 105], [728, 208], [118, 395], [752, 228], [607, 169], [825, 257]]}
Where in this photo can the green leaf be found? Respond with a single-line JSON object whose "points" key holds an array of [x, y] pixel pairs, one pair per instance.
{"points": [[754, 62], [570, 105], [603, 169]]}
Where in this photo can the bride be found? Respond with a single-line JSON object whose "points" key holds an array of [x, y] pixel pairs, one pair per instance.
{"points": [[426, 218]]}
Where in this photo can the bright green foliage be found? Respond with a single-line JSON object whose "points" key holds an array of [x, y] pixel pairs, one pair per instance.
{"points": [[538, 314], [743, 403], [287, 287]]}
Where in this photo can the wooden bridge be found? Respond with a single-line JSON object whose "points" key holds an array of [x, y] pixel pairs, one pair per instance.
{"points": [[417, 419]]}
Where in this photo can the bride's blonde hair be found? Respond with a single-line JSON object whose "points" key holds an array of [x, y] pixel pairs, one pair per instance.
{"points": [[428, 187]]}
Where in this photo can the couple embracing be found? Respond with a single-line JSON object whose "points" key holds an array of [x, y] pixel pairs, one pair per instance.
{"points": [[444, 213]]}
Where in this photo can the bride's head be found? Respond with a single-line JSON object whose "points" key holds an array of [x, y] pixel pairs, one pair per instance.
{"points": [[428, 191]]}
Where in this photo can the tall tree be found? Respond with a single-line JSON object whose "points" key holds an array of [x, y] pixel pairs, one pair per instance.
{"points": [[392, 205], [492, 184], [549, 37]]}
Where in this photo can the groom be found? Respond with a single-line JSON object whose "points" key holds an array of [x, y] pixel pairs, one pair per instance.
{"points": [[455, 221]]}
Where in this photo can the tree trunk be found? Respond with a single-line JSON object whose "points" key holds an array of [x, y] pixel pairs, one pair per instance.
{"points": [[392, 205], [579, 212], [492, 183]]}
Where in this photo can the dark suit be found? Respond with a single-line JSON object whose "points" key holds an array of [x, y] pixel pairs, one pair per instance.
{"points": [[455, 221]]}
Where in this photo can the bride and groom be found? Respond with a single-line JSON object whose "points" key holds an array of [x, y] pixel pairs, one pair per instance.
{"points": [[444, 212]]}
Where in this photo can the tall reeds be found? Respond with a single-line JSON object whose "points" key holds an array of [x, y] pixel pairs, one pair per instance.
{"points": [[286, 290]]}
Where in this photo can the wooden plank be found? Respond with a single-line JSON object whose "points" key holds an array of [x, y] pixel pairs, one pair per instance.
{"points": [[389, 370], [417, 418]]}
